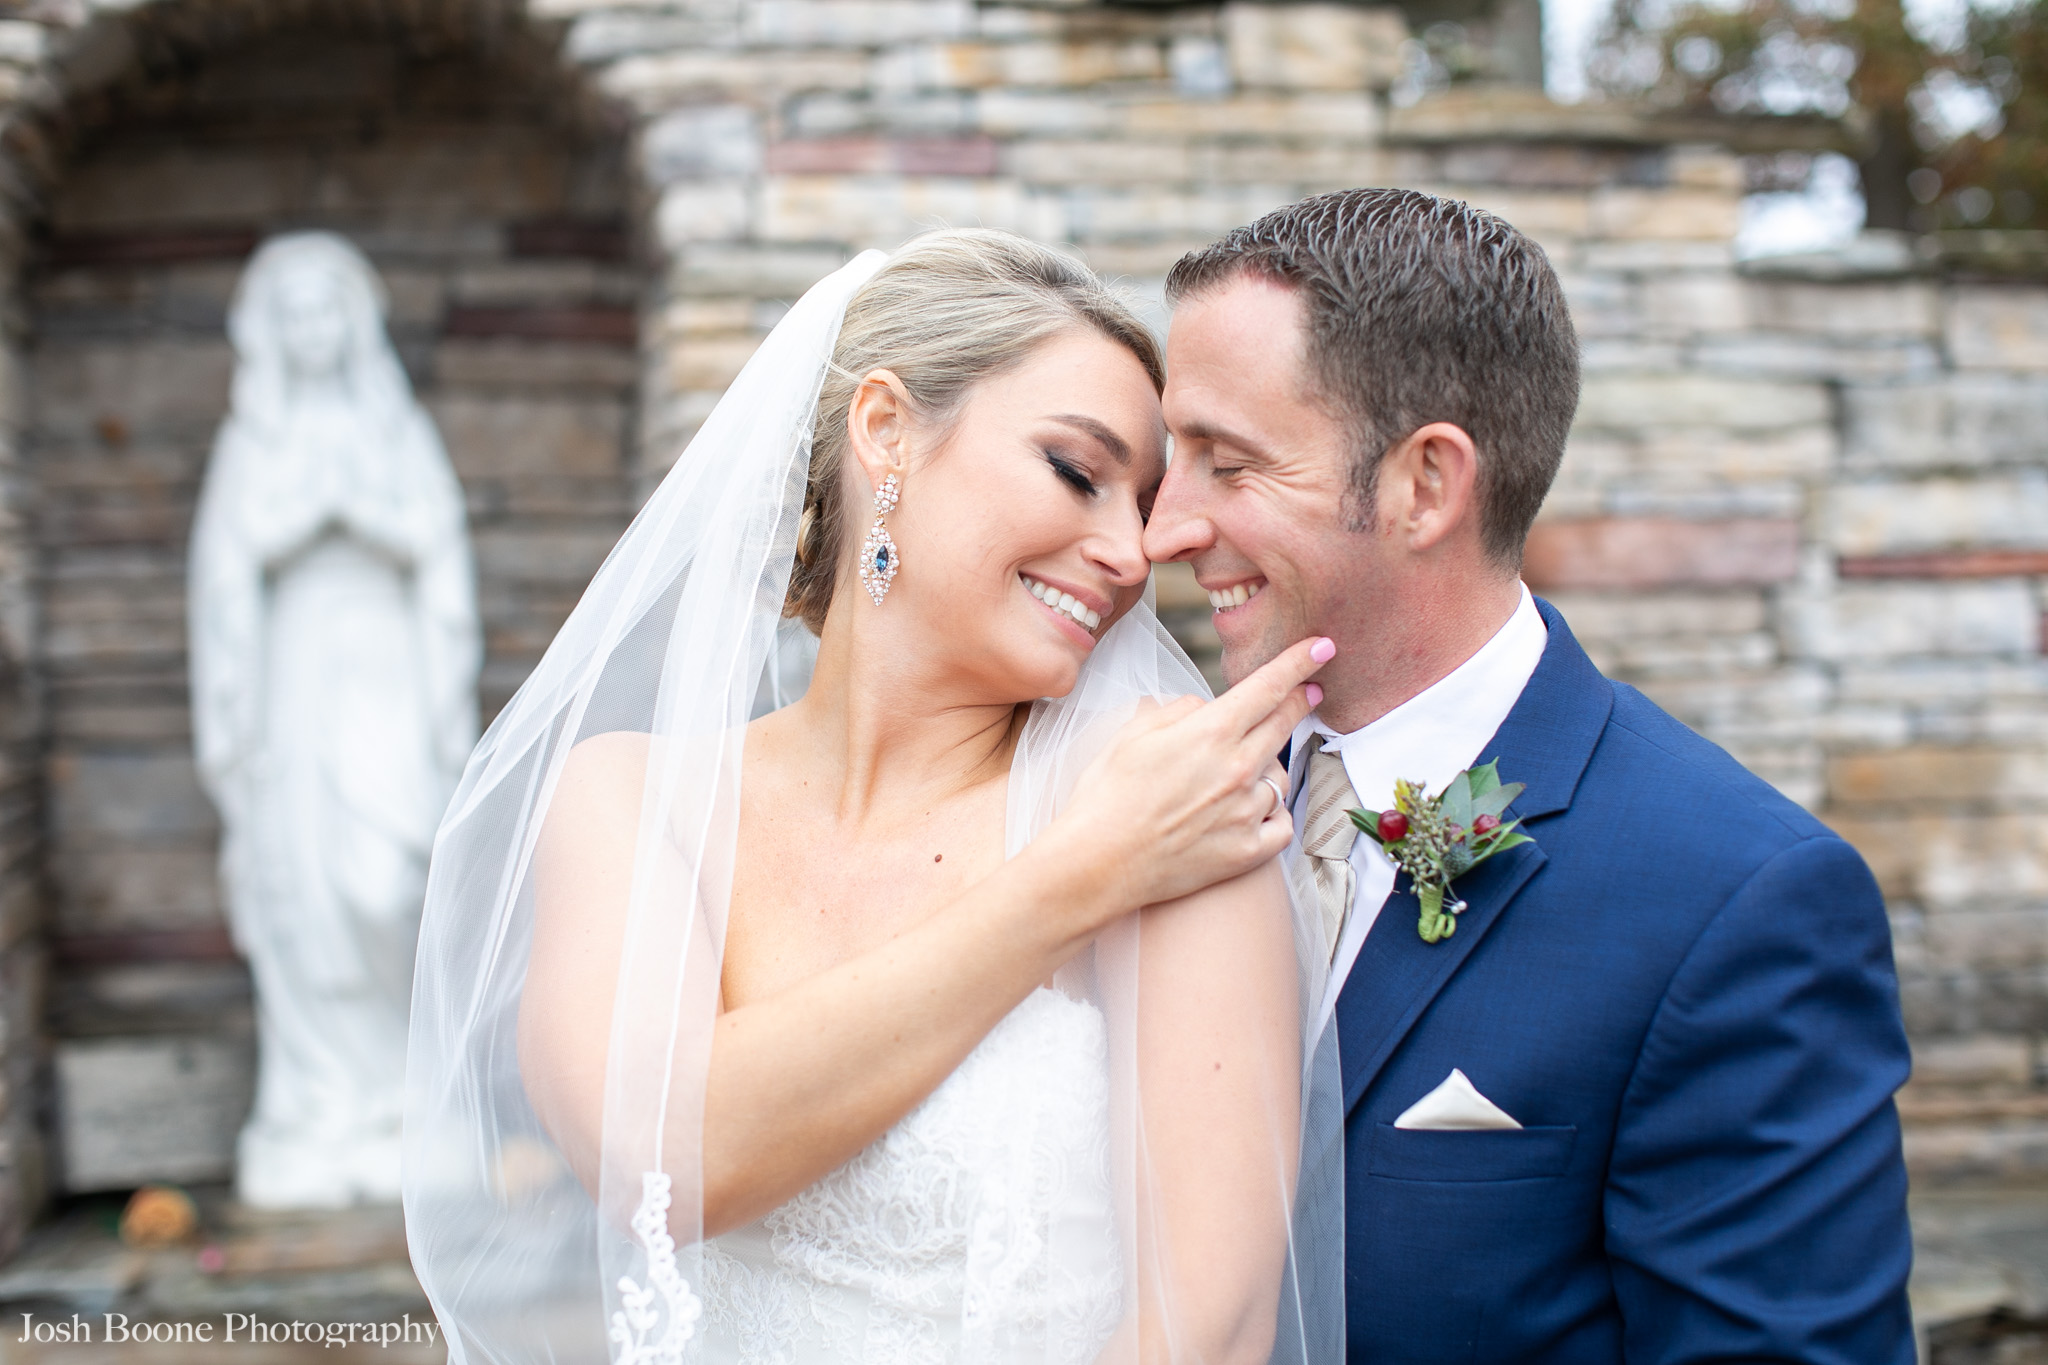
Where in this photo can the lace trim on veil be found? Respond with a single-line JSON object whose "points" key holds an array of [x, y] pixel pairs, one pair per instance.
{"points": [[634, 1323]]}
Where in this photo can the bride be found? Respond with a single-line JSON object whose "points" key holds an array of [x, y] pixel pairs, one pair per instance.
{"points": [[958, 1009]]}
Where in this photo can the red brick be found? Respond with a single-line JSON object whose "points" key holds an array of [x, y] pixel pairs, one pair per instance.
{"points": [[603, 239], [1660, 552], [1948, 564], [884, 156], [149, 945], [152, 247]]}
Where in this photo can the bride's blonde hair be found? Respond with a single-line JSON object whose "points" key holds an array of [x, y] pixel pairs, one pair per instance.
{"points": [[948, 311]]}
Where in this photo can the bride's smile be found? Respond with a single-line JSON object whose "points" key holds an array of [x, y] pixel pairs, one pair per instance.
{"points": [[1069, 606]]}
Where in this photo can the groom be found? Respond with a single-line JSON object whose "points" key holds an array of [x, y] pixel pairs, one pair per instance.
{"points": [[1638, 1105]]}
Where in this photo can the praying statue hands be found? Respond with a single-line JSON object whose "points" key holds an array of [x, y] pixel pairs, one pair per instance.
{"points": [[317, 486]]}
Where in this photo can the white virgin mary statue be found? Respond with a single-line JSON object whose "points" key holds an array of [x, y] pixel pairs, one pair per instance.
{"points": [[335, 648]]}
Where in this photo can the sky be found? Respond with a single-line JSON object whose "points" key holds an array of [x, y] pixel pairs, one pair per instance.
{"points": [[1827, 214], [1569, 28]]}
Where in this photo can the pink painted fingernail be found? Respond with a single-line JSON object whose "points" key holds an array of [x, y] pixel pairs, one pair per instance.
{"points": [[1315, 695], [1323, 650]]}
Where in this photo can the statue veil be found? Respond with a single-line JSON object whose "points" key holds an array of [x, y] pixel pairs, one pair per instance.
{"points": [[680, 636]]}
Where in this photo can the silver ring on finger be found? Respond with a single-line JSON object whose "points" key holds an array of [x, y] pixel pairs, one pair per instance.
{"points": [[1279, 797]]}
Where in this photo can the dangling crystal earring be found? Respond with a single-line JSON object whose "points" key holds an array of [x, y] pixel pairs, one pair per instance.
{"points": [[879, 558]]}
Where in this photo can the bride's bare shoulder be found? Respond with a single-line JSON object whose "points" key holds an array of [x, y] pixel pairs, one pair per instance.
{"points": [[605, 774], [600, 789], [612, 756]]}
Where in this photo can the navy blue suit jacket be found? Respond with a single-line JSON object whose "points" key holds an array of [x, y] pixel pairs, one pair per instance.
{"points": [[1684, 991]]}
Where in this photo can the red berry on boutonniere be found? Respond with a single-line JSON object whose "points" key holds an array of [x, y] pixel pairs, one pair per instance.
{"points": [[1393, 827], [1485, 825]]}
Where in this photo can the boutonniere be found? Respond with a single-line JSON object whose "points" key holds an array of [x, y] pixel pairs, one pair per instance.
{"points": [[1438, 839]]}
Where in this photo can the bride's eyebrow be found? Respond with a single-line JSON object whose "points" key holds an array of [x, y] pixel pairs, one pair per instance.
{"points": [[1119, 450]]}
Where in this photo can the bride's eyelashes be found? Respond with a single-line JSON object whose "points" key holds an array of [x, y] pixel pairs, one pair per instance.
{"points": [[1071, 474]]}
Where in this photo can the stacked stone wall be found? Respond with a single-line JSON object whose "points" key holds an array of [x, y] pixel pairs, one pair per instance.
{"points": [[1806, 515], [1802, 508]]}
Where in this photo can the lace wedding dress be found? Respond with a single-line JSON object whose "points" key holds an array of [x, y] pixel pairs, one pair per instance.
{"points": [[979, 1230]]}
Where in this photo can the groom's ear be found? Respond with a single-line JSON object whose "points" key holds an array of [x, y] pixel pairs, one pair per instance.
{"points": [[878, 425], [1428, 490]]}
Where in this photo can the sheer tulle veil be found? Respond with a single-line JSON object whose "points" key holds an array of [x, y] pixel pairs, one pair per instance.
{"points": [[681, 637]]}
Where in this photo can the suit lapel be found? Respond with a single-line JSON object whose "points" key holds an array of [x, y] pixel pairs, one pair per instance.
{"points": [[1545, 742]]}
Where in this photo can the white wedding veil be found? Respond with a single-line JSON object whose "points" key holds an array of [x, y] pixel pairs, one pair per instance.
{"points": [[681, 637]]}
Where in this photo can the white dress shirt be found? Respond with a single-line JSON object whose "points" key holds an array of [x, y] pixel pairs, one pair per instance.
{"points": [[1431, 737]]}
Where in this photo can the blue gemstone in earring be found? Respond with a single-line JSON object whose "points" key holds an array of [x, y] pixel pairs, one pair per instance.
{"points": [[881, 562]]}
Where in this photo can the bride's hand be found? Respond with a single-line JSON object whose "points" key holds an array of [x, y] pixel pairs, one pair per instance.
{"points": [[1187, 794]]}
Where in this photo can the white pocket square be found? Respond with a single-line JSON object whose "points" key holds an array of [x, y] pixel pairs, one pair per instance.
{"points": [[1454, 1105]]}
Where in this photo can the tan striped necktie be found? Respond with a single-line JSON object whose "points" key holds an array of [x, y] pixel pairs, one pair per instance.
{"points": [[1327, 835]]}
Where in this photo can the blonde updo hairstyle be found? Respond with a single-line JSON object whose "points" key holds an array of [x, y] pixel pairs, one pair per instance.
{"points": [[949, 310]]}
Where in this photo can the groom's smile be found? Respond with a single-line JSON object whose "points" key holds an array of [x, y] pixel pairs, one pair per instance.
{"points": [[1231, 596]]}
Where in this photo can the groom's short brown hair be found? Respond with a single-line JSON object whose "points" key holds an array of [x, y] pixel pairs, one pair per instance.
{"points": [[1422, 310]]}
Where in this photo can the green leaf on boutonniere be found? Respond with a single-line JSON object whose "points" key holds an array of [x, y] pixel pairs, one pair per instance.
{"points": [[1496, 801], [1456, 804], [1438, 839]]}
